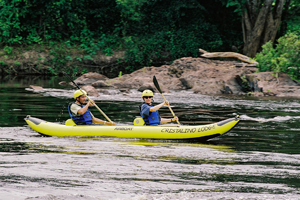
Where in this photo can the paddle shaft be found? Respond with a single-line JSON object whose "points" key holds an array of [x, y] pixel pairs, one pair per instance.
{"points": [[170, 108], [89, 98], [158, 88], [99, 109]]}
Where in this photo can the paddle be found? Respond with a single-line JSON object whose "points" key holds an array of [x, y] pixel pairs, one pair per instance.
{"points": [[88, 98], [158, 88]]}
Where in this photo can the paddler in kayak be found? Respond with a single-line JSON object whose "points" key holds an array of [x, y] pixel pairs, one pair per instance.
{"points": [[150, 113], [81, 114]]}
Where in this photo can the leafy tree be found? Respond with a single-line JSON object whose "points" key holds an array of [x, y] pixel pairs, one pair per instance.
{"points": [[172, 29], [291, 19]]}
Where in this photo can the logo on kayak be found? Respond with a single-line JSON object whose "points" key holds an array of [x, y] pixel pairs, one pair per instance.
{"points": [[123, 129], [188, 130], [206, 128], [180, 130]]}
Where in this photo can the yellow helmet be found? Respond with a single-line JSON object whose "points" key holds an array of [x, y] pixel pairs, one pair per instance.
{"points": [[147, 93], [78, 93]]}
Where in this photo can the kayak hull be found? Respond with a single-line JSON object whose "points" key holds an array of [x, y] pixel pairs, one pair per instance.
{"points": [[180, 132]]}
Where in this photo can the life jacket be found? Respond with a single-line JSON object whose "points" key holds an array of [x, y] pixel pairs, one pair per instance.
{"points": [[84, 119], [153, 119]]}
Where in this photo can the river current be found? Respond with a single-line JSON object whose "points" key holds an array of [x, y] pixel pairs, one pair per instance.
{"points": [[258, 159]]}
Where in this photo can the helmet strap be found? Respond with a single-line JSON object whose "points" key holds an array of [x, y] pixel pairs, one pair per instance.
{"points": [[77, 100]]}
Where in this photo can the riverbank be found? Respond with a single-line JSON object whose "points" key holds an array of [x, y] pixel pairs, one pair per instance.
{"points": [[53, 59], [199, 75]]}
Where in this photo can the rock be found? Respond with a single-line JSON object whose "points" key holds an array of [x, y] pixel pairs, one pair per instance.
{"points": [[204, 76], [89, 78], [270, 85], [186, 83], [177, 72], [99, 84], [124, 90], [62, 83], [147, 87], [36, 87], [105, 92], [227, 90], [253, 83], [257, 94], [268, 94], [91, 90], [200, 75]]}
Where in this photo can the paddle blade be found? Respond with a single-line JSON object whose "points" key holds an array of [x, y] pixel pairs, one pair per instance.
{"points": [[156, 84], [71, 80]]}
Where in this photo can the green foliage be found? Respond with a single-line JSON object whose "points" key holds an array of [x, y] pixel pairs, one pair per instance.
{"points": [[245, 84], [35, 21], [239, 5], [120, 74], [294, 25], [285, 57], [130, 12], [169, 45], [8, 49], [150, 32]]}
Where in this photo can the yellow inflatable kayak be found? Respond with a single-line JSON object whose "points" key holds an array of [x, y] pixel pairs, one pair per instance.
{"points": [[165, 132]]}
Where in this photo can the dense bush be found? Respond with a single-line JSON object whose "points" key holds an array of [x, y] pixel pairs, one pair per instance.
{"points": [[149, 31], [285, 57], [34, 21]]}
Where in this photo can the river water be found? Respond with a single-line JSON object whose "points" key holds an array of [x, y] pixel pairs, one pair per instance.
{"points": [[258, 159]]}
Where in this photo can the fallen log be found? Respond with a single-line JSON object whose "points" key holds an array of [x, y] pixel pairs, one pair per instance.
{"points": [[227, 55]]}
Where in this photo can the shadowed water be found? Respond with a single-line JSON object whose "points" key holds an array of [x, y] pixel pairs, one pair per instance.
{"points": [[258, 159]]}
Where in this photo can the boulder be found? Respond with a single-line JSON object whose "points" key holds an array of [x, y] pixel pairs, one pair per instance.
{"points": [[272, 84], [201, 75], [91, 90], [36, 87], [62, 83], [89, 78], [100, 84], [106, 92], [147, 86]]}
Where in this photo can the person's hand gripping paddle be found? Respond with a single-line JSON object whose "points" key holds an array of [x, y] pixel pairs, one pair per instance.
{"points": [[88, 98], [158, 88]]}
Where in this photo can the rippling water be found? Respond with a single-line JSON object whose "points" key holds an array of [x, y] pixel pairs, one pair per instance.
{"points": [[258, 159]]}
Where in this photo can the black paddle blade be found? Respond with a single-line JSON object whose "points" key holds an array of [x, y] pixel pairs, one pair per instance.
{"points": [[71, 80], [156, 84]]}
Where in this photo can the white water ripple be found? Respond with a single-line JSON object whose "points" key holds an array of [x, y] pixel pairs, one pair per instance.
{"points": [[274, 119], [188, 98]]}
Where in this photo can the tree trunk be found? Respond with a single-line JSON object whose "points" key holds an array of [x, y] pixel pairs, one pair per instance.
{"points": [[284, 17], [260, 24]]}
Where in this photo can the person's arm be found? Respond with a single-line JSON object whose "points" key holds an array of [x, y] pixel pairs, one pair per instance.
{"points": [[157, 107], [82, 110], [99, 121], [145, 110], [164, 120]]}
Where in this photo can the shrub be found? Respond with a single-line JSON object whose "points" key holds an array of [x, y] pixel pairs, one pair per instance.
{"points": [[285, 57]]}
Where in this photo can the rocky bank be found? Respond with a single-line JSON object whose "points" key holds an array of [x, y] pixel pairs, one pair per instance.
{"points": [[201, 75]]}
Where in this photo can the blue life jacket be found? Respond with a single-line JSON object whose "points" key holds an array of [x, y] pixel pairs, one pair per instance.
{"points": [[153, 119], [84, 119]]}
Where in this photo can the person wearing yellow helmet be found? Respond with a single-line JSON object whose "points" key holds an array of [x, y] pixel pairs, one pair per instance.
{"points": [[80, 113], [150, 113]]}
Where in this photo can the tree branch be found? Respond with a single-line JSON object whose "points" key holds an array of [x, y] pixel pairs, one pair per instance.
{"points": [[227, 55]]}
